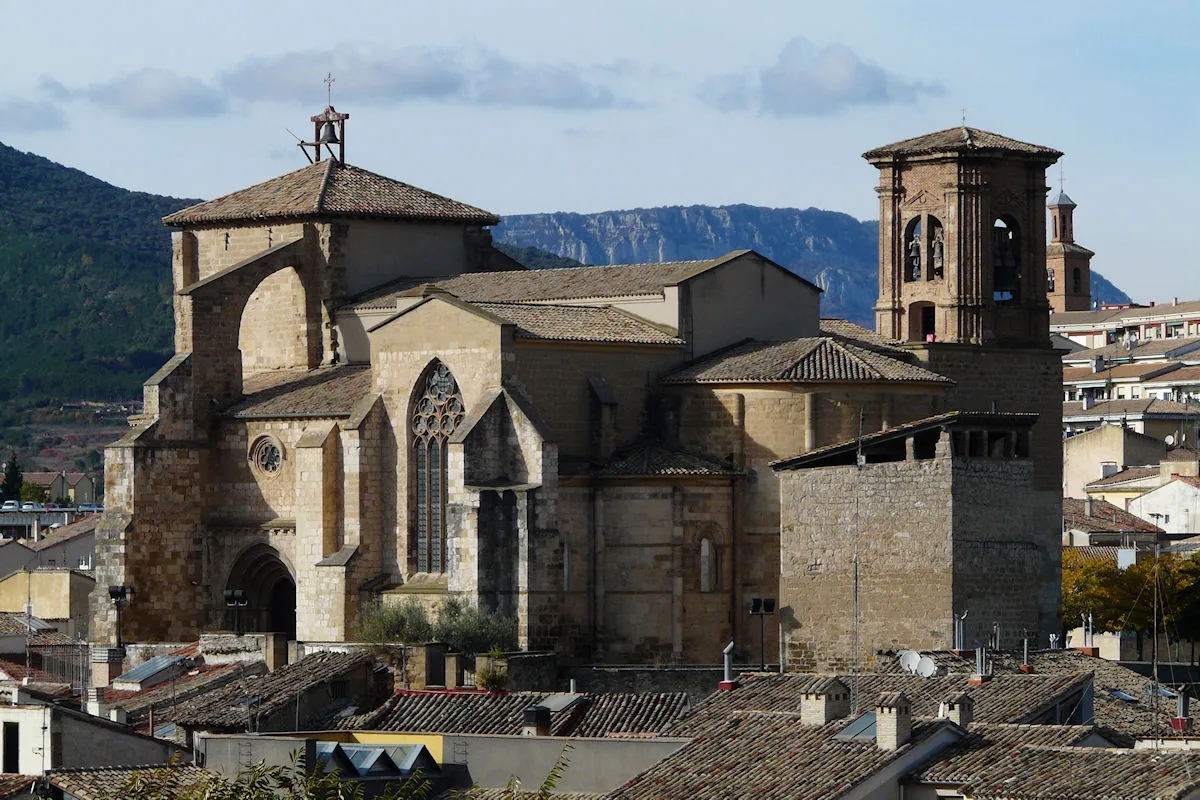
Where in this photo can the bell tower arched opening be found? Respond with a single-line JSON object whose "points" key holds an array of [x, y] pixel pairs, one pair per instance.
{"points": [[1006, 261], [922, 325]]}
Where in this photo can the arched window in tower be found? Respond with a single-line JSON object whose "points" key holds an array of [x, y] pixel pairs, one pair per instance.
{"points": [[436, 415], [1006, 261], [912, 251], [1076, 280], [937, 249]]}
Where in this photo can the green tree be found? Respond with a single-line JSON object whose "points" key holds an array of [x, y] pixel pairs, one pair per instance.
{"points": [[32, 493], [10, 488]]}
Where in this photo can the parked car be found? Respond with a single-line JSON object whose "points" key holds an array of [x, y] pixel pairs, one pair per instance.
{"points": [[11, 505], [88, 508], [27, 506]]}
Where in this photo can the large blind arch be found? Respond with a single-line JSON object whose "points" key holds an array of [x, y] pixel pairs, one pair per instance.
{"points": [[437, 412]]}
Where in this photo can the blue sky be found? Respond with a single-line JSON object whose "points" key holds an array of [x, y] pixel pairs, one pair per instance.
{"points": [[529, 106]]}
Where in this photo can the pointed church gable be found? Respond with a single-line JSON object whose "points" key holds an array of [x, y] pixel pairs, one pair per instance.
{"points": [[503, 443]]}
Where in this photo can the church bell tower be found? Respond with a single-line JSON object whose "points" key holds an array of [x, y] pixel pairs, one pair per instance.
{"points": [[962, 235], [1068, 266]]}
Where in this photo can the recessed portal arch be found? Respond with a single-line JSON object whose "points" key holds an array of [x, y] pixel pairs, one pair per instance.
{"points": [[270, 591]]}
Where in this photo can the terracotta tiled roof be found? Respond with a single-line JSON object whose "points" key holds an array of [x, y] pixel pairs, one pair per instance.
{"points": [[1004, 699], [1092, 552], [16, 671], [40, 478], [1178, 376], [1127, 475], [325, 392], [479, 793], [767, 755], [857, 334], [1104, 517], [1124, 718], [1156, 348], [650, 459], [77, 528], [1061, 318], [1052, 773], [574, 283], [330, 189], [164, 697], [985, 745], [1117, 408], [1119, 372], [1183, 453], [14, 785], [226, 707], [108, 782], [959, 139], [808, 360], [595, 714], [577, 323], [13, 623]]}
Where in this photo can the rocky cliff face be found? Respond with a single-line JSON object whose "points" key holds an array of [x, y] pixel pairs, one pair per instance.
{"points": [[833, 250]]}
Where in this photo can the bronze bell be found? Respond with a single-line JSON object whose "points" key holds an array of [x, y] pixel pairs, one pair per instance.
{"points": [[328, 135]]}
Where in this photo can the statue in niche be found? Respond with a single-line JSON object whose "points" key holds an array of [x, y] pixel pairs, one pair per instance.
{"points": [[914, 258], [938, 250], [1050, 280]]}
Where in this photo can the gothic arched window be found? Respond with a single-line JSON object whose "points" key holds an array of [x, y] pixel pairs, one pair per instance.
{"points": [[436, 415]]}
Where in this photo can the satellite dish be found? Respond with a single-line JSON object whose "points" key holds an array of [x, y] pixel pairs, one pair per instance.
{"points": [[909, 660], [926, 667], [1170, 440]]}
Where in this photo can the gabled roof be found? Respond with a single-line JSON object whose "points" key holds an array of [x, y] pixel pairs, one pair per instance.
{"points": [[1007, 698], [1127, 475], [816, 359], [576, 283], [66, 533], [330, 189], [770, 755], [1137, 372], [1113, 409], [857, 334], [597, 714], [577, 324], [1151, 348], [230, 706], [1125, 718], [960, 139], [1104, 517], [106, 782]]}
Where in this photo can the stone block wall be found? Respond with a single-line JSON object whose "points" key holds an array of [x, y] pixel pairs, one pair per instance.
{"points": [[932, 537], [897, 517]]}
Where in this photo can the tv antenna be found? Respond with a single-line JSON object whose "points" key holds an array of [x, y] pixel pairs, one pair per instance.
{"points": [[909, 659], [926, 667]]}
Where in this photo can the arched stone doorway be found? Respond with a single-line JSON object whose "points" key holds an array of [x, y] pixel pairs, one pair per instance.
{"points": [[270, 593]]}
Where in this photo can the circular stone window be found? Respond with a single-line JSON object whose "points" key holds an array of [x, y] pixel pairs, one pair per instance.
{"points": [[266, 456]]}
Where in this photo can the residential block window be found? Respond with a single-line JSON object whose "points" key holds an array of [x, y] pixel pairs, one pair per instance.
{"points": [[436, 415]]}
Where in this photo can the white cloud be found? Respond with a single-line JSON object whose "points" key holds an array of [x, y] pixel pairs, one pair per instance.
{"points": [[398, 75], [24, 116], [148, 93], [811, 80]]}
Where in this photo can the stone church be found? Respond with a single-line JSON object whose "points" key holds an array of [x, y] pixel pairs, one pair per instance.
{"points": [[368, 401]]}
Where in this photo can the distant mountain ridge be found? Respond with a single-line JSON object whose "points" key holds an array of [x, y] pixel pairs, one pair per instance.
{"points": [[835, 251], [85, 268]]}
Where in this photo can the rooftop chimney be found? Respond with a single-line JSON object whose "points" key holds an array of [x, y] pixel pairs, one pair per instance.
{"points": [[1181, 722], [728, 684], [537, 721], [825, 702], [959, 709], [893, 721], [1087, 505], [1089, 402]]}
